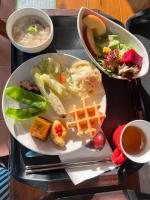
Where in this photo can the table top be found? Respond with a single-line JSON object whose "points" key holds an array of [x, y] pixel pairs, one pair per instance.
{"points": [[121, 10]]}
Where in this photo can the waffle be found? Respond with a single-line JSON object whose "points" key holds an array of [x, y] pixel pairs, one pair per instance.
{"points": [[86, 118]]}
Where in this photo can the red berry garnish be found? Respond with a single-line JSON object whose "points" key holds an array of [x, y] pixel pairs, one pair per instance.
{"points": [[99, 141]]}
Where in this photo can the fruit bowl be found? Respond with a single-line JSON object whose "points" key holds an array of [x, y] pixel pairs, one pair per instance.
{"points": [[101, 25]]}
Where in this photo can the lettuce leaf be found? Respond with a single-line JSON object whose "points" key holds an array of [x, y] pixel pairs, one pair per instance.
{"points": [[54, 101]]}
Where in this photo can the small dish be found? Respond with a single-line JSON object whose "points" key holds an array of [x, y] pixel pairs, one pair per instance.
{"points": [[29, 39], [124, 35]]}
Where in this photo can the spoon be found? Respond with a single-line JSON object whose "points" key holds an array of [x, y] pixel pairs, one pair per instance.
{"points": [[98, 141]]}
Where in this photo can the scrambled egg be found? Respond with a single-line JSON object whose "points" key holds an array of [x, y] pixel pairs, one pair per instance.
{"points": [[84, 78]]}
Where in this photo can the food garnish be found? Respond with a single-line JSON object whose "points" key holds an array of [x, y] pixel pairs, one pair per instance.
{"points": [[58, 133], [62, 79], [37, 103], [40, 128], [32, 28], [116, 57], [86, 118]]}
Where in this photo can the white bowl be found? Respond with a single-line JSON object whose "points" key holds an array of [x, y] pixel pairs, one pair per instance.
{"points": [[114, 28], [26, 12]]}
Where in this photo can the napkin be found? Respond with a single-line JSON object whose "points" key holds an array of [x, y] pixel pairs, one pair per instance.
{"points": [[80, 174]]}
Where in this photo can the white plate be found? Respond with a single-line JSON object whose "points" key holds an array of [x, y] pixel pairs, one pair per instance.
{"points": [[19, 129], [114, 28]]}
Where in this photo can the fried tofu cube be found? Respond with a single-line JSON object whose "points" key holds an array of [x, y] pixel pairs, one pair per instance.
{"points": [[40, 128]]}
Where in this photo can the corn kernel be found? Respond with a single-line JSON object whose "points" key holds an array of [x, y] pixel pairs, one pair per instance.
{"points": [[106, 50]]}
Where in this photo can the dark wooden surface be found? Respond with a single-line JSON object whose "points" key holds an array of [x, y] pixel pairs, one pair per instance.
{"points": [[106, 179], [2, 28], [127, 8], [114, 195], [19, 191]]}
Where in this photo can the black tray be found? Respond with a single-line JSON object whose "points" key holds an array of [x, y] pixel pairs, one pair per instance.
{"points": [[139, 25], [123, 105]]}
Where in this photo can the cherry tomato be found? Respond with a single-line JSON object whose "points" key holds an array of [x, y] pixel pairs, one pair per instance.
{"points": [[99, 141], [58, 129], [62, 79]]}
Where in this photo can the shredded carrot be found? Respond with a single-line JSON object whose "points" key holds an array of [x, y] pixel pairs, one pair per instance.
{"points": [[62, 79]]}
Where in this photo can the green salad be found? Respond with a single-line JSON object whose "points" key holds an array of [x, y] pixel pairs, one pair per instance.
{"points": [[116, 57]]}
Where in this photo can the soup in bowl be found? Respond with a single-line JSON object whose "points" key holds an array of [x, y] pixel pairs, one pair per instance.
{"points": [[30, 30]]}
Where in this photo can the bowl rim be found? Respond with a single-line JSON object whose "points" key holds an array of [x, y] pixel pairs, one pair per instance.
{"points": [[50, 24]]}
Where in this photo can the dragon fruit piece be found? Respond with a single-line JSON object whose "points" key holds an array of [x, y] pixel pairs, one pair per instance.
{"points": [[131, 56]]}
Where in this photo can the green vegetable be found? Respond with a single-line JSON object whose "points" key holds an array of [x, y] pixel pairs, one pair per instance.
{"points": [[32, 28], [113, 37], [26, 97], [100, 61], [123, 48], [47, 66], [109, 72], [23, 113], [46, 75], [111, 41], [54, 101], [36, 102], [54, 85], [114, 44], [102, 44]]}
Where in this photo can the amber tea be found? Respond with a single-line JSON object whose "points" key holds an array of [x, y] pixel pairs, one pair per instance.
{"points": [[133, 140]]}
